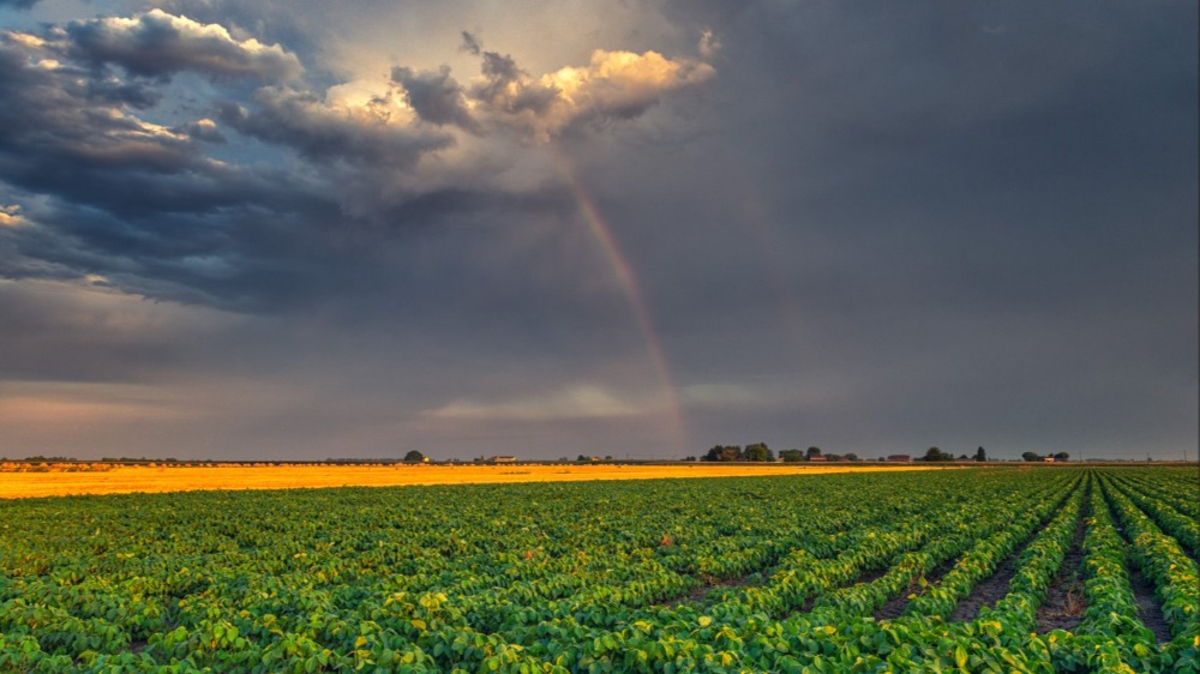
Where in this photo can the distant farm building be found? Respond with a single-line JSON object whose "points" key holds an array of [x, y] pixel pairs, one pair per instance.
{"points": [[502, 459], [899, 458], [819, 457], [1048, 459]]}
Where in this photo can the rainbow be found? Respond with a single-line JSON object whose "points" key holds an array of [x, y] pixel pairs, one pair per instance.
{"points": [[637, 301]]}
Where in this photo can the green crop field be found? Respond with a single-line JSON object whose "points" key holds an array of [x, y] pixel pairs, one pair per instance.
{"points": [[992, 569]]}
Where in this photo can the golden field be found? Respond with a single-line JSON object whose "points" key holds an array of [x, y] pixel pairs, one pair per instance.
{"points": [[121, 479]]}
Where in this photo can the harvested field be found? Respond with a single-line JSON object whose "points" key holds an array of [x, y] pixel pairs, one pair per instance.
{"points": [[130, 479]]}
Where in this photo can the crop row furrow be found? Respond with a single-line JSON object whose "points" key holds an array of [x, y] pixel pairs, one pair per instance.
{"points": [[864, 599], [1186, 530], [1160, 558]]}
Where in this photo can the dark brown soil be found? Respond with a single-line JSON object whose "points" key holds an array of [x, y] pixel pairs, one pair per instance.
{"points": [[1151, 612], [865, 577], [895, 607], [993, 588], [871, 576], [1064, 605], [697, 594]]}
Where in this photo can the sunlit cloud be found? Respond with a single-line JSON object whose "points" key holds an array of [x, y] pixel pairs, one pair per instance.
{"points": [[10, 216], [613, 85]]}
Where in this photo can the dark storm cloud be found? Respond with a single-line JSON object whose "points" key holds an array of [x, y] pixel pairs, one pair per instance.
{"points": [[61, 134], [158, 44], [112, 91], [19, 4], [144, 206], [435, 96], [53, 112], [982, 220]]}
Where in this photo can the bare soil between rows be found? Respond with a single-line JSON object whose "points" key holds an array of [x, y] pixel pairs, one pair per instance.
{"points": [[864, 577], [894, 608], [1148, 606], [1064, 605], [993, 588]]}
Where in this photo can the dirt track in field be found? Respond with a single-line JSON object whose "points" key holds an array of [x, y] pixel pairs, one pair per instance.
{"points": [[129, 479]]}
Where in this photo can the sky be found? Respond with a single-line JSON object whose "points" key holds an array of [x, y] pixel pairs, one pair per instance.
{"points": [[295, 230]]}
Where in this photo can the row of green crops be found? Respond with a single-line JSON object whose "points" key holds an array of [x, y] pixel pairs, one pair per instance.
{"points": [[771, 574]]}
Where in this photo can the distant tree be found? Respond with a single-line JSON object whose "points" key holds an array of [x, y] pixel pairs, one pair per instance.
{"points": [[1062, 456], [963, 457], [851, 457], [791, 455], [608, 457], [980, 455], [689, 458], [812, 451], [563, 459], [724, 453], [414, 456], [1031, 456], [758, 452], [936, 454], [581, 458]]}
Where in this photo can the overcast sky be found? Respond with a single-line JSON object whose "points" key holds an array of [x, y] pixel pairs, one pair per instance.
{"points": [[284, 229]]}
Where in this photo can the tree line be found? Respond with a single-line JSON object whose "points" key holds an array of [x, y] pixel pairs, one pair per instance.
{"points": [[759, 451]]}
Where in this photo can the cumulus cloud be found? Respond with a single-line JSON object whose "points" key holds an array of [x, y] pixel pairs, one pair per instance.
{"points": [[435, 96], [53, 108], [322, 130], [613, 85], [158, 44]]}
